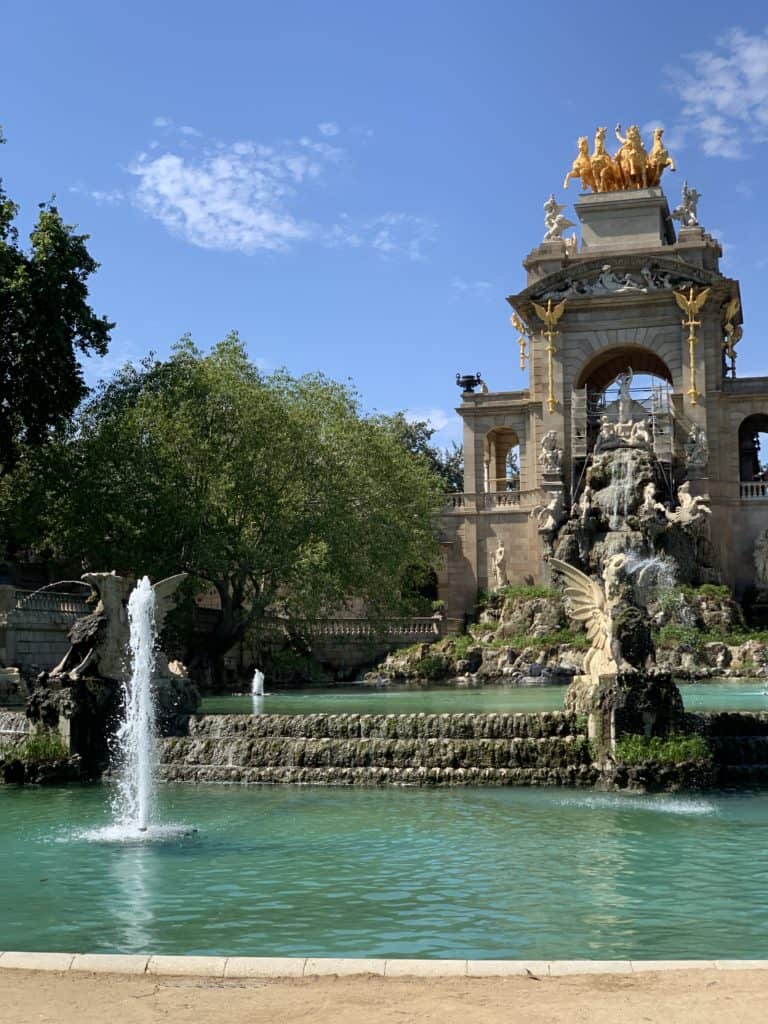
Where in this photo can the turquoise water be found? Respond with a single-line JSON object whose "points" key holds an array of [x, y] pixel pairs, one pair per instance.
{"points": [[443, 873], [724, 695]]}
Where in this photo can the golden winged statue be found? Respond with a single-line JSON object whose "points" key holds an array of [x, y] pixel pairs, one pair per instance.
{"points": [[691, 304], [733, 331], [549, 315], [592, 604]]}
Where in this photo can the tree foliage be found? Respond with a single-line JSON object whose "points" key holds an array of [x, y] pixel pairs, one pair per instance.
{"points": [[45, 320], [274, 490], [415, 436]]}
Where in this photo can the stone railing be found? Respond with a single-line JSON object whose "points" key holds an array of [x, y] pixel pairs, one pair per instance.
{"points": [[463, 502], [49, 601], [754, 490], [364, 629]]}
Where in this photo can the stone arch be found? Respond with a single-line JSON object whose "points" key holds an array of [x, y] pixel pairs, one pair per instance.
{"points": [[605, 365], [750, 457], [498, 443]]}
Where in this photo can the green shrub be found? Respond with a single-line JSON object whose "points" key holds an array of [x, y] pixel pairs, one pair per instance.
{"points": [[461, 645], [432, 667], [560, 636], [674, 749], [672, 636], [714, 590], [41, 747]]}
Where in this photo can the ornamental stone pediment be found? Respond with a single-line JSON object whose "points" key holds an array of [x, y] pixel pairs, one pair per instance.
{"points": [[623, 276]]}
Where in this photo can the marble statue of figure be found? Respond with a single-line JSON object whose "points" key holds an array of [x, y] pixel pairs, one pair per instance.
{"points": [[686, 212], [607, 434], [550, 516], [585, 503], [639, 436], [550, 456], [571, 245], [624, 380], [649, 505], [692, 510], [696, 448], [594, 605], [499, 566], [100, 640], [761, 557], [554, 220]]}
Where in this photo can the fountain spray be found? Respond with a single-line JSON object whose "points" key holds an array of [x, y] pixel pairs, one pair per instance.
{"points": [[136, 736]]}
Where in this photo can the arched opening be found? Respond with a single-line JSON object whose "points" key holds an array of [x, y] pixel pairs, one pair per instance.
{"points": [[501, 460], [620, 384], [753, 448]]}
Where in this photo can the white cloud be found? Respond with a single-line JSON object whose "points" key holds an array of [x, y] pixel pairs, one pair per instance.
{"points": [[724, 93], [463, 287], [244, 196], [437, 418], [674, 137], [328, 128], [727, 247]]}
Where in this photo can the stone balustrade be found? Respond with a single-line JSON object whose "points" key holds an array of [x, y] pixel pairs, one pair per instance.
{"points": [[463, 502], [428, 628], [754, 490], [73, 605]]}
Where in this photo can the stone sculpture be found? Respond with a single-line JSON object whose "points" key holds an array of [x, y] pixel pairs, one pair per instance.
{"points": [[594, 606], [733, 332], [499, 566], [686, 211], [693, 511], [549, 518], [631, 167], [761, 557], [696, 448], [554, 220], [649, 505], [608, 282], [99, 640], [550, 456]]}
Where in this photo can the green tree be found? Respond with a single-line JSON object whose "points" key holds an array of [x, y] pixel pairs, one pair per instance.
{"points": [[275, 491], [415, 436], [45, 320]]}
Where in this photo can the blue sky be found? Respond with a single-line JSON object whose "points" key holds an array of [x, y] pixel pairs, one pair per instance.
{"points": [[353, 186]]}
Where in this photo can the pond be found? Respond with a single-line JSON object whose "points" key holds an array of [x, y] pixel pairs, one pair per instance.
{"points": [[481, 873], [720, 695]]}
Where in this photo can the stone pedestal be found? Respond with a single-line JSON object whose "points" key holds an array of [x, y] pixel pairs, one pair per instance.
{"points": [[629, 703], [623, 221]]}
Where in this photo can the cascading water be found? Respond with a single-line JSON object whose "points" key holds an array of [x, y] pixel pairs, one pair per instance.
{"points": [[136, 736], [622, 485]]}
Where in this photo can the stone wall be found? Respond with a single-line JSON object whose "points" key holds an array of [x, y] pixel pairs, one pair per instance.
{"points": [[500, 749]]}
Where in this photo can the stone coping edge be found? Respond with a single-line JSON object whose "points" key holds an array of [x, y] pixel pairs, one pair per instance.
{"points": [[306, 967]]}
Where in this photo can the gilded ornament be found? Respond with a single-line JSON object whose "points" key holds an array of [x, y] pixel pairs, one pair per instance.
{"points": [[549, 316], [691, 304], [631, 167]]}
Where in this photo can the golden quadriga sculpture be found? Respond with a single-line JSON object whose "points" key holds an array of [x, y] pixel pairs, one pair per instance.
{"points": [[630, 167]]}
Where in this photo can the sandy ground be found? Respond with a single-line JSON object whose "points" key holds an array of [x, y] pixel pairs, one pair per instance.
{"points": [[680, 997]]}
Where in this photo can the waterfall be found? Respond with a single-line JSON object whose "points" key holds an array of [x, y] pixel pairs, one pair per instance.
{"points": [[136, 735], [622, 485]]}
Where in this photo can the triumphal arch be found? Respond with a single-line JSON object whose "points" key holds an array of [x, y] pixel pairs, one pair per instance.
{"points": [[629, 329]]}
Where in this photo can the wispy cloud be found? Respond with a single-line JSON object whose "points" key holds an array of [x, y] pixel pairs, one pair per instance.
{"points": [[245, 196], [462, 287], [446, 424], [724, 92], [727, 247], [390, 234], [674, 137]]}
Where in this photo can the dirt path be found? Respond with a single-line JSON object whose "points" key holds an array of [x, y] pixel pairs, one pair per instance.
{"points": [[680, 997]]}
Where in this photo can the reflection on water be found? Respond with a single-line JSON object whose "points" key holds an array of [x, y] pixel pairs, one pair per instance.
{"points": [[476, 872]]}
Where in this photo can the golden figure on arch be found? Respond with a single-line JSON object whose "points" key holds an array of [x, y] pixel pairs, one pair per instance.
{"points": [[631, 167]]}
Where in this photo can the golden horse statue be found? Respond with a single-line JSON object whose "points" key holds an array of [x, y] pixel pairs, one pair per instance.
{"points": [[658, 159], [582, 167], [632, 158], [604, 170]]}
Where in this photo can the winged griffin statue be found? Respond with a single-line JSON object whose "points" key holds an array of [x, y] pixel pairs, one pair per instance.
{"points": [[595, 606], [99, 640]]}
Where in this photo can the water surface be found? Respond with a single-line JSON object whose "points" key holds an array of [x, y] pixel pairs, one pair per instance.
{"points": [[721, 695], [476, 872]]}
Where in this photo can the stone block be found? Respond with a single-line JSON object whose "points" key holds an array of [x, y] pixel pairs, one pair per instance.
{"points": [[109, 963], [425, 968], [503, 968], [199, 966], [343, 966], [640, 966], [562, 967], [741, 965], [36, 961], [264, 967]]}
